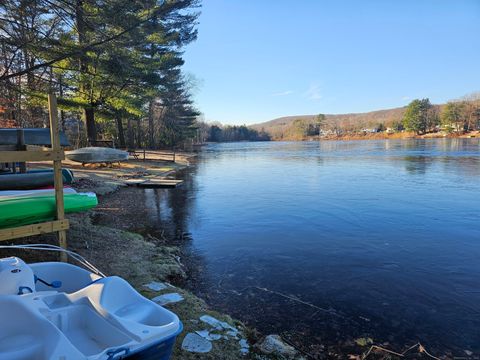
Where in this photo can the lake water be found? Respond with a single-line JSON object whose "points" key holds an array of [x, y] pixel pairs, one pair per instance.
{"points": [[326, 242]]}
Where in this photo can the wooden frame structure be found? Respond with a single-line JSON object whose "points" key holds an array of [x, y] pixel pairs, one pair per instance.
{"points": [[55, 154]]}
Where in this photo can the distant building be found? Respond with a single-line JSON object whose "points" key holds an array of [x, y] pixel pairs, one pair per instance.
{"points": [[369, 130]]}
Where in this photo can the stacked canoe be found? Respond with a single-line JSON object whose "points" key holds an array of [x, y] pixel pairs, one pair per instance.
{"points": [[30, 198], [33, 179]]}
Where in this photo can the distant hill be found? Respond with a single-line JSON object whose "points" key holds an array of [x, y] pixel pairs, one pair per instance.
{"points": [[280, 127]]}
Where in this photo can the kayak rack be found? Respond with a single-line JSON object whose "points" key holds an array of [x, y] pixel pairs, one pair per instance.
{"points": [[56, 155]]}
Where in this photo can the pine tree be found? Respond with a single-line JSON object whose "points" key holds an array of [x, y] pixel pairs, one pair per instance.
{"points": [[420, 116], [108, 61], [453, 116]]}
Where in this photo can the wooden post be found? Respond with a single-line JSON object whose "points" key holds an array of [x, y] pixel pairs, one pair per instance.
{"points": [[57, 171], [21, 147]]}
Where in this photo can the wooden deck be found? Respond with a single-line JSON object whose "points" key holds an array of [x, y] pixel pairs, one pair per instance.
{"points": [[154, 182]]}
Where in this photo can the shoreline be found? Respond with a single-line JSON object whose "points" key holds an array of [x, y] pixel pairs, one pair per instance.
{"points": [[385, 136], [113, 237], [142, 258]]}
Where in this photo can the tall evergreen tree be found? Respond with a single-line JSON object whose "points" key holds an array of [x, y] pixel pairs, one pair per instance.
{"points": [[176, 113], [106, 57]]}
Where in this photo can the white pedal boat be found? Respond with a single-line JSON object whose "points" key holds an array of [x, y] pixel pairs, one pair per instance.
{"points": [[55, 310]]}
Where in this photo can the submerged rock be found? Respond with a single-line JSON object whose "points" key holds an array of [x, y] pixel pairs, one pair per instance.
{"points": [[217, 324], [168, 298], [273, 344], [156, 286], [195, 343], [233, 333], [244, 347], [208, 335]]}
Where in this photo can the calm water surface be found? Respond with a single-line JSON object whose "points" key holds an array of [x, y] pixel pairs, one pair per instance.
{"points": [[382, 238]]}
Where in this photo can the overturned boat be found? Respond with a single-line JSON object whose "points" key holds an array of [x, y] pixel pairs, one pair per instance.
{"points": [[33, 179], [32, 136], [91, 155], [54, 310]]}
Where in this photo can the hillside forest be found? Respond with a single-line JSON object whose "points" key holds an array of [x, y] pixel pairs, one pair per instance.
{"points": [[420, 117]]}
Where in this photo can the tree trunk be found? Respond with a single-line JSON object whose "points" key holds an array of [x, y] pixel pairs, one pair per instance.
{"points": [[121, 135], [34, 113], [89, 113], [151, 138], [62, 112], [139, 135], [80, 25], [130, 134]]}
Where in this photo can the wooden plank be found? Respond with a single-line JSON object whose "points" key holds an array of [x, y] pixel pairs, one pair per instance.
{"points": [[28, 148], [22, 156], [163, 181], [134, 182], [37, 148], [160, 183], [21, 147], [8, 147], [57, 171], [154, 182], [34, 229]]}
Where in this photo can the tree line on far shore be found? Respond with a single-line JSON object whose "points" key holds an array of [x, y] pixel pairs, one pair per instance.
{"points": [[419, 116], [216, 132]]}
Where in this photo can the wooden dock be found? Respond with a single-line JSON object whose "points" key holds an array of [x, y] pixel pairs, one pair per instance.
{"points": [[154, 182]]}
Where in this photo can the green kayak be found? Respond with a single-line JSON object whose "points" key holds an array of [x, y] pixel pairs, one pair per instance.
{"points": [[29, 210]]}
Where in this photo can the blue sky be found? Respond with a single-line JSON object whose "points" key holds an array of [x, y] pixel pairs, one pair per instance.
{"points": [[256, 60]]}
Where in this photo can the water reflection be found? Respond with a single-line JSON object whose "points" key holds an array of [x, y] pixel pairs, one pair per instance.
{"points": [[417, 164], [169, 210]]}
